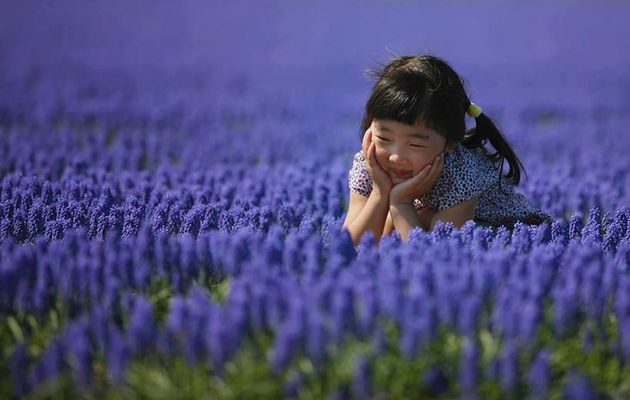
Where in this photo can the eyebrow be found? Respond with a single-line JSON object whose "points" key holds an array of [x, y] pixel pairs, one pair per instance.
{"points": [[414, 135]]}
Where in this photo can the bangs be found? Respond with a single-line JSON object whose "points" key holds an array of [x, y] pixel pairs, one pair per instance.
{"points": [[400, 105]]}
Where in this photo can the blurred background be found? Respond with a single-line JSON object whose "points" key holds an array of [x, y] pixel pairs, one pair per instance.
{"points": [[307, 51], [269, 35]]}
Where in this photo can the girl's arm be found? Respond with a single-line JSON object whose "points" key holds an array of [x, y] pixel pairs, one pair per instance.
{"points": [[366, 213], [405, 217], [369, 213], [389, 225]]}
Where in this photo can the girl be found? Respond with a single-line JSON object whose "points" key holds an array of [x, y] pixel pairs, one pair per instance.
{"points": [[418, 164]]}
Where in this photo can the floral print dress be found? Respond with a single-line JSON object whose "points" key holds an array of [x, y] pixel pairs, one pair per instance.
{"points": [[466, 173]]}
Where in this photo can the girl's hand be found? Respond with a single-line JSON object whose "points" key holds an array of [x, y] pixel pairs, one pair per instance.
{"points": [[381, 180], [414, 187]]}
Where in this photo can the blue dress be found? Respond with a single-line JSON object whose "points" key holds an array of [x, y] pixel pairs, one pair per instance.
{"points": [[466, 173]]}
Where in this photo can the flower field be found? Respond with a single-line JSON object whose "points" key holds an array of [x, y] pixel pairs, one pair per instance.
{"points": [[176, 233]]}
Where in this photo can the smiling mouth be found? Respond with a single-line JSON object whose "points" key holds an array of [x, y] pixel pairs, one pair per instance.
{"points": [[399, 173]]}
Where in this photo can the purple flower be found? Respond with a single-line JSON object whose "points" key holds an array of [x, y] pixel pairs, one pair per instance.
{"points": [[521, 240], [379, 340], [192, 220], [587, 342], [159, 220], [578, 386], [469, 315], [98, 325], [367, 244], [177, 321], [575, 226], [263, 218], [342, 312], [288, 341], [410, 338], [210, 220], [142, 330], [531, 317], [341, 393], [19, 364], [509, 370], [624, 331], [35, 221], [79, 353], [117, 355], [272, 251], [367, 314], [593, 229], [341, 244], [294, 385], [559, 232], [52, 363], [542, 234], [20, 230], [362, 380], [469, 370], [539, 375], [436, 381], [565, 317], [316, 338], [392, 296], [131, 223], [492, 370], [218, 341]]}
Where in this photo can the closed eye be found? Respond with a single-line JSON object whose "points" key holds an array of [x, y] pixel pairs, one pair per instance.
{"points": [[383, 139], [417, 145]]}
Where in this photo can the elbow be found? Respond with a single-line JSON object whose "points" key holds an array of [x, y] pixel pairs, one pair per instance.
{"points": [[356, 238], [356, 235], [353, 235]]}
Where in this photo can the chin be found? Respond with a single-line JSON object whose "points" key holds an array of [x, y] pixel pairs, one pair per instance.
{"points": [[396, 179]]}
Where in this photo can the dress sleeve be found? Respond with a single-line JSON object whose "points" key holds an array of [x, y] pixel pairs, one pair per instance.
{"points": [[466, 174], [359, 180]]}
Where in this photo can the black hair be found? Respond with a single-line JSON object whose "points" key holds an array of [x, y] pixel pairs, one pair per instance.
{"points": [[425, 89]]}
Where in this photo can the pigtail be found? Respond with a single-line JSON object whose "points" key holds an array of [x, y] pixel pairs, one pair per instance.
{"points": [[486, 130]]}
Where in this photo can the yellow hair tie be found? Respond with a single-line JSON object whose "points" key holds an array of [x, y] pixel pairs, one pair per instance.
{"points": [[474, 110]]}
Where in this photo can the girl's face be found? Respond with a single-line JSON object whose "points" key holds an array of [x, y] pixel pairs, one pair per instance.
{"points": [[404, 150]]}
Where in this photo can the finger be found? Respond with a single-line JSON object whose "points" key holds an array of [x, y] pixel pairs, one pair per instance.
{"points": [[436, 170], [441, 166], [428, 172], [435, 167], [440, 163], [374, 163], [367, 139], [418, 178], [371, 154]]}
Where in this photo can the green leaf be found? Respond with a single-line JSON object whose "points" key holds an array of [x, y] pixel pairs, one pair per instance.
{"points": [[15, 329]]}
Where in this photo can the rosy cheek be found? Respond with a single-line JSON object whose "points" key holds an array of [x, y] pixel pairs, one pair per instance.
{"points": [[380, 151]]}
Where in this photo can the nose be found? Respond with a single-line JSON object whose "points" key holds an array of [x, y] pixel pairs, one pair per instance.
{"points": [[397, 157]]}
